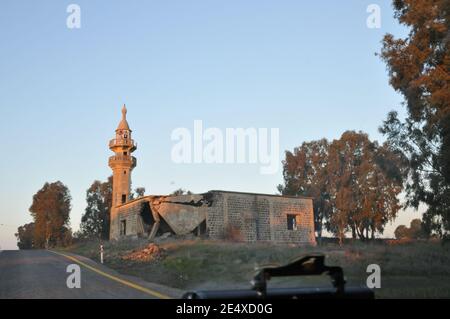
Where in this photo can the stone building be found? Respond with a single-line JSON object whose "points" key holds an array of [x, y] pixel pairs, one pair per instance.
{"points": [[216, 214]]}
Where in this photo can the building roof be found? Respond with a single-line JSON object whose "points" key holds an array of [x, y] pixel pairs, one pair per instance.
{"points": [[259, 194], [147, 197]]}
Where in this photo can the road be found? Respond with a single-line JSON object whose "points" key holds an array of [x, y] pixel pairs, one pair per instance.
{"points": [[41, 274]]}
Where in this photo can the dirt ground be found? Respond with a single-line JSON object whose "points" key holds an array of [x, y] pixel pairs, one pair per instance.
{"points": [[408, 270]]}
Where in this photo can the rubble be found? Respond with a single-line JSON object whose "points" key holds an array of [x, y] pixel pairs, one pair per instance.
{"points": [[165, 236], [182, 213], [150, 253]]}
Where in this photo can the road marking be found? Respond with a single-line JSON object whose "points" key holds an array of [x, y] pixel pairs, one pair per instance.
{"points": [[122, 281]]}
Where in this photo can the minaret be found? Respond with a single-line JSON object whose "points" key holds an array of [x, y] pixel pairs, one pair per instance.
{"points": [[122, 163]]}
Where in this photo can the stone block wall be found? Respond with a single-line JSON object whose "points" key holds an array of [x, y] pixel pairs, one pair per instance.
{"points": [[259, 217], [303, 210], [130, 213]]}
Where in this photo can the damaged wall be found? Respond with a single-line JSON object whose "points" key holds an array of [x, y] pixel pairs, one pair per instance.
{"points": [[254, 217], [149, 216], [182, 213]]}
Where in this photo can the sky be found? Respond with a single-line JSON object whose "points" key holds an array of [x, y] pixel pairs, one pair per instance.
{"points": [[306, 68]]}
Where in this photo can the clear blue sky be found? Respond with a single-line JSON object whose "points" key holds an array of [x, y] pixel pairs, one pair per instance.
{"points": [[307, 68]]}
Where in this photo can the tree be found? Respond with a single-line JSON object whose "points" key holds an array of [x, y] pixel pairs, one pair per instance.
{"points": [[96, 219], [305, 174], [25, 236], [180, 192], [50, 210], [365, 181], [354, 183], [95, 222], [139, 191], [414, 231], [416, 228], [419, 69], [401, 232]]}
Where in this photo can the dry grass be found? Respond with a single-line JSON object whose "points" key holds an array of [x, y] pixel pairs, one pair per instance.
{"points": [[409, 270]]}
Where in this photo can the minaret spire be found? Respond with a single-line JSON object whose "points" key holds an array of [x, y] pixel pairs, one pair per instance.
{"points": [[124, 112], [123, 125]]}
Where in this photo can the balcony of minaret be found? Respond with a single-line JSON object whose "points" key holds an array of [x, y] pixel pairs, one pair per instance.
{"points": [[122, 161], [123, 142]]}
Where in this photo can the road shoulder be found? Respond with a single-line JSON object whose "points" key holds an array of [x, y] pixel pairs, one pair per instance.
{"points": [[156, 290]]}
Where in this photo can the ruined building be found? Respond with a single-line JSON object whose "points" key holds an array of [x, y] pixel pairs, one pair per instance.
{"points": [[215, 214]]}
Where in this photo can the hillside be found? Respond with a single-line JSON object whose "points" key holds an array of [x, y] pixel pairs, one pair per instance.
{"points": [[409, 270]]}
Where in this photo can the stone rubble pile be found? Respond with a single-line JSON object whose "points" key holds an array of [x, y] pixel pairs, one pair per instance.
{"points": [[149, 253]]}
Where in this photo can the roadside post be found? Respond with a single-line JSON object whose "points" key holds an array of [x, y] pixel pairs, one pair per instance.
{"points": [[101, 254]]}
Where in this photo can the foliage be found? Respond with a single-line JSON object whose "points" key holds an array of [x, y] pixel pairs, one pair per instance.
{"points": [[401, 232], [415, 231], [180, 192], [306, 174], [25, 235], [139, 191], [96, 219], [354, 182], [419, 69], [95, 222], [50, 210]]}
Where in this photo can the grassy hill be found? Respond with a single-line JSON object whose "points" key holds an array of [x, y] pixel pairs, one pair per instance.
{"points": [[409, 270]]}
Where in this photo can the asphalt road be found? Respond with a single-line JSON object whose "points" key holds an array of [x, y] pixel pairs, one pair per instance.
{"points": [[41, 274]]}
